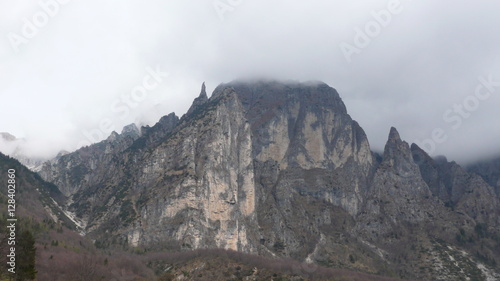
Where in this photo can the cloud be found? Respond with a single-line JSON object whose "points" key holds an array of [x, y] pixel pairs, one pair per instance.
{"points": [[428, 58]]}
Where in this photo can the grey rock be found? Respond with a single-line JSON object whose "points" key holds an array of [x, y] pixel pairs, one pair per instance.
{"points": [[489, 170], [278, 169], [199, 101]]}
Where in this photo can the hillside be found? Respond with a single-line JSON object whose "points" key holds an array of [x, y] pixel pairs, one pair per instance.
{"points": [[63, 254]]}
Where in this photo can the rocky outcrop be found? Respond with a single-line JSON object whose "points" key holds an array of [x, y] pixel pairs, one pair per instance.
{"points": [[153, 136], [460, 190], [397, 193], [407, 209], [278, 169], [131, 131], [89, 166], [489, 170], [199, 101]]}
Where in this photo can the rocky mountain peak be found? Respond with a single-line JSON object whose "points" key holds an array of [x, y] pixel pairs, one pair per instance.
{"points": [[397, 151], [131, 130], [62, 153], [152, 136], [489, 170], [203, 93], [278, 169], [113, 137], [167, 123], [272, 94], [168, 119], [394, 135], [199, 101]]}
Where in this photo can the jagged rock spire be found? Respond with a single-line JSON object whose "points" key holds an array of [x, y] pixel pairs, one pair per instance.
{"points": [[394, 135], [397, 152], [200, 100], [203, 91], [394, 144]]}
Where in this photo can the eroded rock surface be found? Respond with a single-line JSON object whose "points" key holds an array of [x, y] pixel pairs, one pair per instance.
{"points": [[281, 169]]}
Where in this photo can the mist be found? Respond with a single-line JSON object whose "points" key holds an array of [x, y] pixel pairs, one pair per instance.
{"points": [[72, 72]]}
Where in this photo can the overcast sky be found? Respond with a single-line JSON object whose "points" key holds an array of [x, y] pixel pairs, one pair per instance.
{"points": [[73, 69]]}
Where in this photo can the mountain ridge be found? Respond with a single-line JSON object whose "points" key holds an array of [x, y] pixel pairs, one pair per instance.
{"points": [[280, 169]]}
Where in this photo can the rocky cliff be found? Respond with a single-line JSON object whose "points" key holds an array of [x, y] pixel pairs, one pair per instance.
{"points": [[281, 169]]}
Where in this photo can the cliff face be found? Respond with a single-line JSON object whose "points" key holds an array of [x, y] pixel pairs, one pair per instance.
{"points": [[197, 186], [276, 169], [410, 221]]}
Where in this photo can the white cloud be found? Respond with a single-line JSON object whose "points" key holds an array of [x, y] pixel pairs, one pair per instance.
{"points": [[91, 52]]}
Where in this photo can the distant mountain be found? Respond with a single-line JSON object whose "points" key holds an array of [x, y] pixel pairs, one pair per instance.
{"points": [[14, 147], [281, 170], [7, 136]]}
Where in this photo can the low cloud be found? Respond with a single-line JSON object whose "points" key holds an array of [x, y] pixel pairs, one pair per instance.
{"points": [[421, 63]]}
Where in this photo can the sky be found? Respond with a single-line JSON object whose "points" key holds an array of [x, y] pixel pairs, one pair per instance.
{"points": [[72, 71]]}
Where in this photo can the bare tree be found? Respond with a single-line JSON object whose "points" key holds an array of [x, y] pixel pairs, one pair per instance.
{"points": [[86, 269]]}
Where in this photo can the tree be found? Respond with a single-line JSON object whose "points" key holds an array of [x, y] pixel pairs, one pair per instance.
{"points": [[85, 269], [26, 258]]}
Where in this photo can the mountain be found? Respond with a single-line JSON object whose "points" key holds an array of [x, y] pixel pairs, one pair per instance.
{"points": [[35, 198], [62, 254], [281, 170], [98, 157], [489, 170], [7, 136], [14, 147]]}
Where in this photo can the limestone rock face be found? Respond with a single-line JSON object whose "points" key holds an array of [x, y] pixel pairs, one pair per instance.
{"points": [[279, 169], [197, 186], [306, 130]]}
